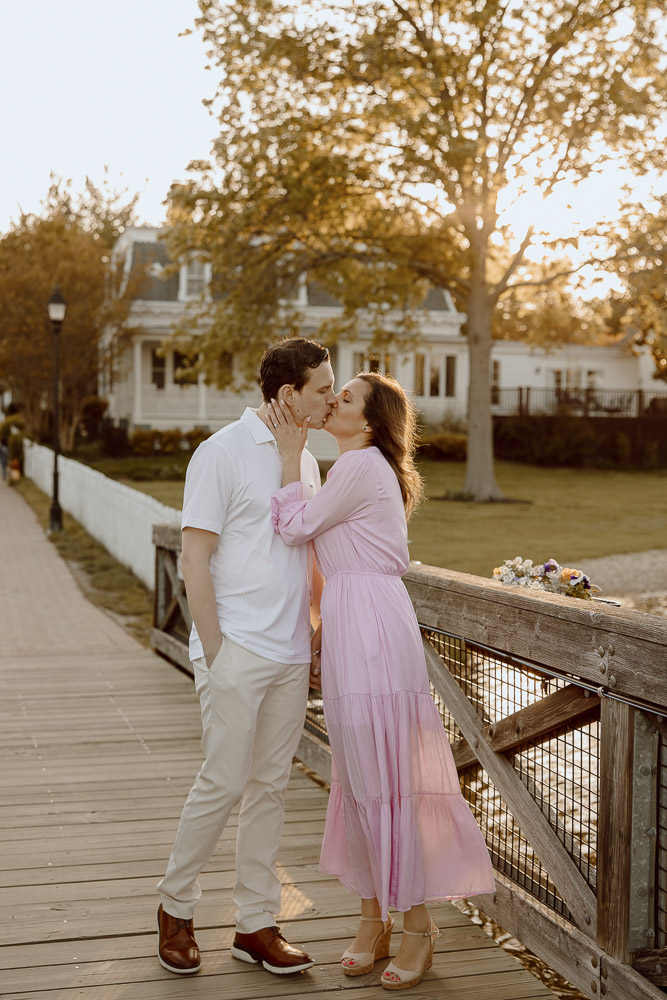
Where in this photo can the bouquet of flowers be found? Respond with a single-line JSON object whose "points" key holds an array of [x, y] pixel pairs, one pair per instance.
{"points": [[545, 576]]}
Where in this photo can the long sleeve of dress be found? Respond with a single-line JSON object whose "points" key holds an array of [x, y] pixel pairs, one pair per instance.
{"points": [[351, 487]]}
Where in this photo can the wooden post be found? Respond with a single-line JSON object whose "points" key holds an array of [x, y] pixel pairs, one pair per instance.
{"points": [[615, 827]]}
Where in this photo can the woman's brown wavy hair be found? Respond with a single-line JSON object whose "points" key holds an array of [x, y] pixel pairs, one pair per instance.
{"points": [[392, 418]]}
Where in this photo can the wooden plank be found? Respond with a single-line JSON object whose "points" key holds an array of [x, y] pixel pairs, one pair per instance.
{"points": [[549, 629], [315, 754], [178, 589], [565, 948], [622, 982], [557, 942], [172, 648], [569, 706], [99, 755], [455, 927], [615, 827], [167, 536], [652, 964], [510, 985], [566, 877], [235, 981]]}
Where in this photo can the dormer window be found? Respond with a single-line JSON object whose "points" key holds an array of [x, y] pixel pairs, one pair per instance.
{"points": [[194, 279]]}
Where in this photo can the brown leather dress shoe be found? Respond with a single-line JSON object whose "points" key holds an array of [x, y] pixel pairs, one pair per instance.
{"points": [[269, 947], [177, 948]]}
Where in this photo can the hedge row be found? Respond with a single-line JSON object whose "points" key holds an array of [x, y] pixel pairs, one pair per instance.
{"points": [[567, 441], [168, 442], [576, 441]]}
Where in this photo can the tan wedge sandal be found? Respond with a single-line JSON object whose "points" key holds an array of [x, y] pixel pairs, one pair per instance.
{"points": [[361, 962], [405, 980]]}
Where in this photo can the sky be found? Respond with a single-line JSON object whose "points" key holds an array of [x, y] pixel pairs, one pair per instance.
{"points": [[87, 84]]}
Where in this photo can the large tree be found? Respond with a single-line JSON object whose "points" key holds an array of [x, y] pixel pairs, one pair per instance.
{"points": [[370, 144], [640, 239], [67, 245]]}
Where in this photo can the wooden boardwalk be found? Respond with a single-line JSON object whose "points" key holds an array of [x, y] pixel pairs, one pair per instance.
{"points": [[99, 743]]}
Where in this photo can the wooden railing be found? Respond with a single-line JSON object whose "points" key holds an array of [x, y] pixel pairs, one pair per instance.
{"points": [[556, 712]]}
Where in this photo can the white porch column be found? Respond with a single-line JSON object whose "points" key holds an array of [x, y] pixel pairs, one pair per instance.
{"points": [[138, 383]]}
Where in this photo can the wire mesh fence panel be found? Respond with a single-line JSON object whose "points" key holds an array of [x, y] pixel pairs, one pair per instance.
{"points": [[560, 772]]}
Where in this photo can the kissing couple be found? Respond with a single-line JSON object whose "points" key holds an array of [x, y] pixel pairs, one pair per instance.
{"points": [[292, 584]]}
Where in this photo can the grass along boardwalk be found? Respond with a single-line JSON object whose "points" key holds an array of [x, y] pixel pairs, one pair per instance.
{"points": [[99, 744]]}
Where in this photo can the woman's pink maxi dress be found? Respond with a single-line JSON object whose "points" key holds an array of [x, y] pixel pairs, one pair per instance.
{"points": [[397, 826]]}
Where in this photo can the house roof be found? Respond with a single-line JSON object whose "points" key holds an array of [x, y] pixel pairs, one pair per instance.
{"points": [[161, 287], [435, 300]]}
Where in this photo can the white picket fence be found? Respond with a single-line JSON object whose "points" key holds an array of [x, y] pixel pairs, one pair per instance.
{"points": [[119, 517]]}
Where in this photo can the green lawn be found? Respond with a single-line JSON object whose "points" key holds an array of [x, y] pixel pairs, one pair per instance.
{"points": [[573, 514]]}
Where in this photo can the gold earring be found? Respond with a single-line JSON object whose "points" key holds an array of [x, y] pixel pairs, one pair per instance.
{"points": [[366, 429]]}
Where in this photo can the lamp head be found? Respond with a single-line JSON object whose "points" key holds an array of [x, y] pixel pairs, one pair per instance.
{"points": [[56, 306]]}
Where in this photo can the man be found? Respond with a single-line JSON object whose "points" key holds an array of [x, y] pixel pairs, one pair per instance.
{"points": [[250, 647]]}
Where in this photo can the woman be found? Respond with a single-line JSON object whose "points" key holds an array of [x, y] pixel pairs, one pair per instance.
{"points": [[398, 831]]}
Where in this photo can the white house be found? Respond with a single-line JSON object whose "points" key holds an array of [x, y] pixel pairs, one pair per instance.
{"points": [[149, 390]]}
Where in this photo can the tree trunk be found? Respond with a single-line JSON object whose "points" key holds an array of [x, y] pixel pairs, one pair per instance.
{"points": [[480, 482], [69, 423]]}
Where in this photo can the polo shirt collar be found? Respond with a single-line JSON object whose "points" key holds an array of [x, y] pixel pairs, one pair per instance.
{"points": [[260, 432]]}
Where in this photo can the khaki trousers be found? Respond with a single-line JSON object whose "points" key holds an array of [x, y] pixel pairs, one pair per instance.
{"points": [[252, 718]]}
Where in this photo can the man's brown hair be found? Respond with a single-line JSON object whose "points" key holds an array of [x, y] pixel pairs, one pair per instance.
{"points": [[289, 363]]}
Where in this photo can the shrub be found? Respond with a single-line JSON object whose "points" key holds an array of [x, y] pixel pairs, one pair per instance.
{"points": [[195, 437], [650, 455], [93, 410], [572, 441], [451, 446], [622, 448], [170, 441], [145, 443], [115, 441]]}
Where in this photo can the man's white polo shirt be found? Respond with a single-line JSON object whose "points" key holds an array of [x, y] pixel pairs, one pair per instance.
{"points": [[260, 583]]}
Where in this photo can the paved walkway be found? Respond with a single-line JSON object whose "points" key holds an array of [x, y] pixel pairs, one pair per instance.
{"points": [[99, 742], [42, 608]]}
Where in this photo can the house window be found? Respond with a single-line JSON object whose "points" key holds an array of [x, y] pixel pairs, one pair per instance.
{"points": [[573, 378], [383, 363], [593, 379], [185, 372], [158, 366], [434, 382], [419, 374], [450, 375], [195, 279], [495, 383], [557, 378]]}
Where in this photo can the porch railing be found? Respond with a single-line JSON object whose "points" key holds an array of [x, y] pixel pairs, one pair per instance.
{"points": [[556, 711], [590, 402]]}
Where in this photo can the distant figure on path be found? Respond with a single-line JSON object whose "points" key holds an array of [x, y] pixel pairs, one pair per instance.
{"points": [[398, 831], [251, 651], [4, 458]]}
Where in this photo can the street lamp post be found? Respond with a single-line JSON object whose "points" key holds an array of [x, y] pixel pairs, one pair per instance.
{"points": [[57, 307]]}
